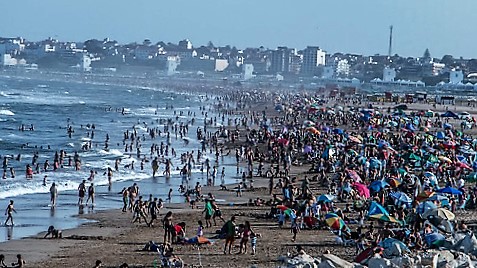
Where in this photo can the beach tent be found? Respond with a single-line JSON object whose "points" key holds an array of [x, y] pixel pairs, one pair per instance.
{"points": [[434, 239], [390, 242], [449, 114], [376, 208]]}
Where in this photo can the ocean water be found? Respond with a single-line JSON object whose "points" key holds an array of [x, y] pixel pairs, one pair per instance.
{"points": [[52, 106]]}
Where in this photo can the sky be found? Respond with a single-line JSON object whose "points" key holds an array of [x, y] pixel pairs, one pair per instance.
{"points": [[349, 26]]}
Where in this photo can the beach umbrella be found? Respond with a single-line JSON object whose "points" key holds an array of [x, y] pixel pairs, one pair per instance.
{"points": [[361, 189], [307, 149], [401, 198], [282, 207], [378, 185], [354, 139], [308, 123], [441, 224], [447, 126], [429, 175], [413, 157], [439, 212], [433, 159], [449, 190], [424, 195], [438, 197], [354, 175], [425, 206], [334, 221], [385, 218], [374, 163], [313, 130], [352, 152], [445, 159], [472, 177], [326, 198], [394, 182], [338, 131], [283, 141], [402, 171], [434, 239]]}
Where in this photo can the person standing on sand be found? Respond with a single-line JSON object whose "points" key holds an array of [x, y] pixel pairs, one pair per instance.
{"points": [[168, 227], [53, 194], [209, 211], [229, 234], [9, 212], [81, 192]]}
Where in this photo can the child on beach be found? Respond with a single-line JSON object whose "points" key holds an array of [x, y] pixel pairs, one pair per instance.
{"points": [[253, 242], [295, 228], [281, 219], [200, 229]]}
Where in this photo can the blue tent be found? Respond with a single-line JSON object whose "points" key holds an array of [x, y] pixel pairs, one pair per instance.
{"points": [[410, 127], [449, 114], [440, 135], [447, 126], [376, 208], [338, 131]]}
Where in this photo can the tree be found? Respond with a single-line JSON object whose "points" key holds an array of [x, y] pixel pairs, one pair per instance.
{"points": [[427, 54], [210, 45]]}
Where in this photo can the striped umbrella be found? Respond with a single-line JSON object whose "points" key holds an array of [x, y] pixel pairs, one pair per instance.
{"points": [[335, 222]]}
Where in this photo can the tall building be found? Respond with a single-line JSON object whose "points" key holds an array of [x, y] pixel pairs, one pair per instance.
{"points": [[282, 59], [312, 58]]}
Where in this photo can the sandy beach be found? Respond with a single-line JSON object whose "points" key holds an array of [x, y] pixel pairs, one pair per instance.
{"points": [[114, 239]]}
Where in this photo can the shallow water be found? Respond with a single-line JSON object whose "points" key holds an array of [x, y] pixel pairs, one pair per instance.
{"points": [[51, 107]]}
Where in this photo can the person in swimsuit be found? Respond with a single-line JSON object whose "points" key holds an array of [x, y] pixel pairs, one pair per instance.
{"points": [[81, 192], [9, 211]]}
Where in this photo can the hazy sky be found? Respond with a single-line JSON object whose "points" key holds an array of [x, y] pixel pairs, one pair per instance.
{"points": [[355, 26]]}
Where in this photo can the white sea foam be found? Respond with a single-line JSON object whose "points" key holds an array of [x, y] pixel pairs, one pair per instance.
{"points": [[6, 112]]}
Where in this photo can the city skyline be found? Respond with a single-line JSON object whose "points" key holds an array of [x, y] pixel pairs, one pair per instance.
{"points": [[342, 26]]}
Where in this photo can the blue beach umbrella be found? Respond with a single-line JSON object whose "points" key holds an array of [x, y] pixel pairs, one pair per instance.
{"points": [[326, 198], [449, 190], [425, 206], [378, 185]]}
